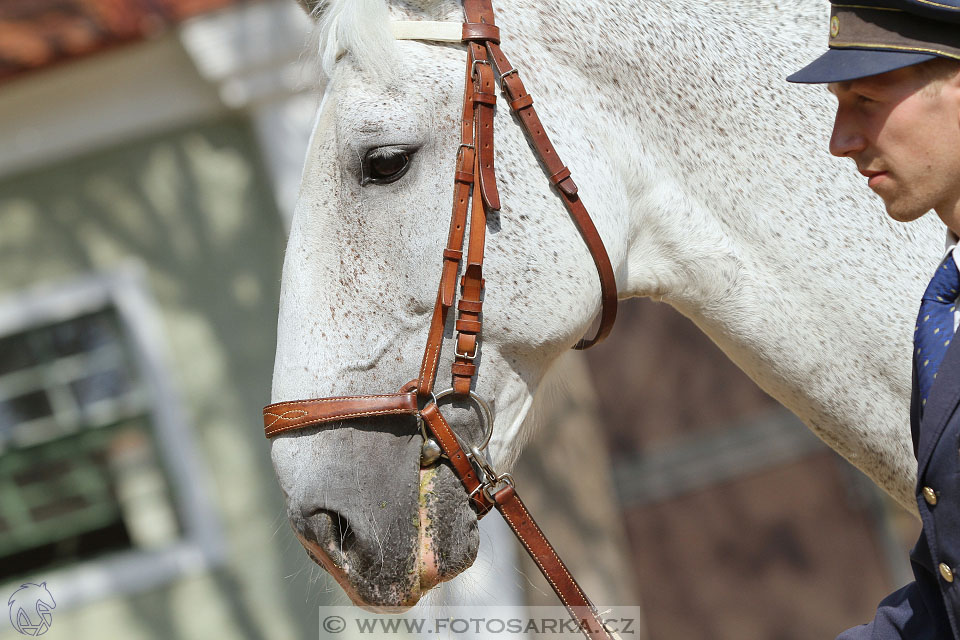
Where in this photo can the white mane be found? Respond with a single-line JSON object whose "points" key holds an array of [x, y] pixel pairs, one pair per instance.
{"points": [[358, 27]]}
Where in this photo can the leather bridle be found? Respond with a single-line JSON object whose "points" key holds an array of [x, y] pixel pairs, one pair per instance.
{"points": [[475, 190]]}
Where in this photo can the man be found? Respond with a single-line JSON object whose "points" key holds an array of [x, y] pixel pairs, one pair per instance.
{"points": [[894, 66]]}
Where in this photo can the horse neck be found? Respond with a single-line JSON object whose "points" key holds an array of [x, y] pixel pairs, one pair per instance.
{"points": [[733, 211], [679, 114]]}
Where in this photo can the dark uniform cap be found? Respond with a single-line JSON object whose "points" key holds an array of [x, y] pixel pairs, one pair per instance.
{"points": [[868, 37]]}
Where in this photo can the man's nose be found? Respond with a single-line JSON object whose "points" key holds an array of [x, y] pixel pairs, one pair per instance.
{"points": [[846, 139]]}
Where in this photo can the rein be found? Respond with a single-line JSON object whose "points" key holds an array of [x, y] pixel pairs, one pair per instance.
{"points": [[475, 190]]}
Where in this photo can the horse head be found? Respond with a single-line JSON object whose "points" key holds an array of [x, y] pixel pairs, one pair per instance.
{"points": [[359, 286]]}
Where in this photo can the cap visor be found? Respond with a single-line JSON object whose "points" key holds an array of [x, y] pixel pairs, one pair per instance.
{"points": [[840, 65]]}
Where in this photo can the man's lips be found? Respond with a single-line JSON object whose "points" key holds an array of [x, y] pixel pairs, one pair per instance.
{"points": [[873, 177]]}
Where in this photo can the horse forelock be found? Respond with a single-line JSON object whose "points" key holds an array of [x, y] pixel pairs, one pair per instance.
{"points": [[358, 27], [361, 28]]}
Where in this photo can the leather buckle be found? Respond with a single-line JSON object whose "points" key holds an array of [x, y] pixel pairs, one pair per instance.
{"points": [[504, 75], [468, 356], [473, 67]]}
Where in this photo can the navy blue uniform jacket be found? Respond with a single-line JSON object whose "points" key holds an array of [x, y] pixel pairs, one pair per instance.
{"points": [[929, 608]]}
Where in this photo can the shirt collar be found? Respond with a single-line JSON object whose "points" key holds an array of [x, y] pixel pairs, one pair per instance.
{"points": [[951, 242]]}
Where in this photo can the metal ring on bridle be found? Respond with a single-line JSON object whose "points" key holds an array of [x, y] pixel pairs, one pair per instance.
{"points": [[486, 416]]}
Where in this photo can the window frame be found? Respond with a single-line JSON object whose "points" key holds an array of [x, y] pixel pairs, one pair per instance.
{"points": [[201, 546]]}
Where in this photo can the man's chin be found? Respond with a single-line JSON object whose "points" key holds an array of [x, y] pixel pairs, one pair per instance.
{"points": [[904, 211], [905, 215]]}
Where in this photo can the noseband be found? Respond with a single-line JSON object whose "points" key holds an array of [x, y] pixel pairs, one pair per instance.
{"points": [[475, 189]]}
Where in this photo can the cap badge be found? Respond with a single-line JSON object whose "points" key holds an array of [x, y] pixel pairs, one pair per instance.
{"points": [[834, 26]]}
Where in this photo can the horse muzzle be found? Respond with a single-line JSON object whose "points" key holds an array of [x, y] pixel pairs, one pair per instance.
{"points": [[385, 528]]}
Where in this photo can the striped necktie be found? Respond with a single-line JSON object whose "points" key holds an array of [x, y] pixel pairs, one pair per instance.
{"points": [[935, 324]]}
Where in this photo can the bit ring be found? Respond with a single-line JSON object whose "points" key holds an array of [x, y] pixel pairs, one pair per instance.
{"points": [[486, 416]]}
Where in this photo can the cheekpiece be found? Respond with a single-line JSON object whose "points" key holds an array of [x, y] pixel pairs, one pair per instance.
{"points": [[868, 37]]}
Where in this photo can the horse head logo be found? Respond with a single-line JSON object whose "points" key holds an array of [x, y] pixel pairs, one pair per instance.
{"points": [[30, 607]]}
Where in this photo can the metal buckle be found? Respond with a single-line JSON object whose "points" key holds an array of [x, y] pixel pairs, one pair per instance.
{"points": [[502, 480], [469, 356], [504, 75], [473, 68], [487, 472], [463, 145]]}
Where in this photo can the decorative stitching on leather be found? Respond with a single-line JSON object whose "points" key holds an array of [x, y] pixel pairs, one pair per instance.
{"points": [[549, 546], [552, 551], [337, 399], [533, 555], [430, 363], [283, 416], [337, 418], [451, 446]]}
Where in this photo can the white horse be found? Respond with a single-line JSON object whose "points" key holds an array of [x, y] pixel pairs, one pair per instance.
{"points": [[709, 180]]}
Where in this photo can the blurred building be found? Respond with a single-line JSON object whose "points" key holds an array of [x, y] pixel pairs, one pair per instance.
{"points": [[150, 155], [145, 183], [741, 523]]}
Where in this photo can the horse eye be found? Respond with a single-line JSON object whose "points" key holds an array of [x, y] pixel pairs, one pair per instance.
{"points": [[384, 165]]}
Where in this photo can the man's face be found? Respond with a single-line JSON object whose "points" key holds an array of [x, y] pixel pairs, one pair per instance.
{"points": [[904, 139]]}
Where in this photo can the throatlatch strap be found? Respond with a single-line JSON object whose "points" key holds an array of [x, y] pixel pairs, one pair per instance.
{"points": [[522, 104]]}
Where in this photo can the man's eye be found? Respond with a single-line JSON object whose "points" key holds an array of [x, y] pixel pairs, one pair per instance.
{"points": [[862, 99], [384, 165]]}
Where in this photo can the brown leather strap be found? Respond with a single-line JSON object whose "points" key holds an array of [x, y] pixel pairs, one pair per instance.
{"points": [[462, 467], [466, 167], [608, 282], [284, 416], [515, 513], [559, 174], [506, 499], [469, 323], [485, 97], [480, 32], [582, 611]]}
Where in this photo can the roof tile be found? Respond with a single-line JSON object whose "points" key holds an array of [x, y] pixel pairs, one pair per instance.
{"points": [[35, 34]]}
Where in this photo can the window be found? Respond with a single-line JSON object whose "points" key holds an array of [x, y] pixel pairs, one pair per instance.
{"points": [[97, 469]]}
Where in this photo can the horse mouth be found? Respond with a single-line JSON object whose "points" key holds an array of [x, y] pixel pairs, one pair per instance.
{"points": [[439, 541]]}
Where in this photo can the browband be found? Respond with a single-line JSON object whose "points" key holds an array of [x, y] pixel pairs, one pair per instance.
{"points": [[427, 30]]}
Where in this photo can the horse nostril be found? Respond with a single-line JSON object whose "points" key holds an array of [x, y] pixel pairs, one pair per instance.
{"points": [[331, 530]]}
